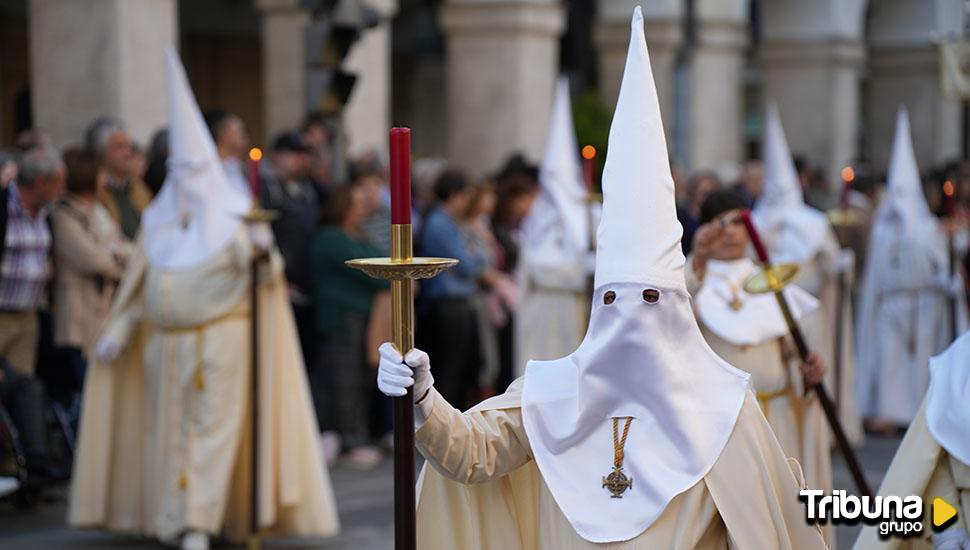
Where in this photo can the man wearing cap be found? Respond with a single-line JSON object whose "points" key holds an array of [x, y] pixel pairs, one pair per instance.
{"points": [[642, 435], [288, 190]]}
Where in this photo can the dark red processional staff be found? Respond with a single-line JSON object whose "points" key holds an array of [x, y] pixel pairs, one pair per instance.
{"points": [[770, 279], [402, 268]]}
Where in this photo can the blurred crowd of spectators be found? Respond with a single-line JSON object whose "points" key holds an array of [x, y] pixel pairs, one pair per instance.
{"points": [[69, 218]]}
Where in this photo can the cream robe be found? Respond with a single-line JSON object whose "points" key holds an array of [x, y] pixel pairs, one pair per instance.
{"points": [[484, 491], [820, 277], [904, 318], [552, 317], [796, 419], [773, 366], [165, 438], [921, 467]]}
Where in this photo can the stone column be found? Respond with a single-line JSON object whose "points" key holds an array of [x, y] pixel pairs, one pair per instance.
{"points": [[811, 56], [904, 69], [284, 64], [816, 87], [502, 60], [663, 28], [91, 58], [716, 84], [367, 117], [910, 76]]}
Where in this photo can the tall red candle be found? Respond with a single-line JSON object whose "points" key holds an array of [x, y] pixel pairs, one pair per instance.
{"points": [[848, 176], [400, 175], [759, 247], [949, 201], [589, 169], [254, 157]]}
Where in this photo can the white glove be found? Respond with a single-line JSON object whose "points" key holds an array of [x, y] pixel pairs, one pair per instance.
{"points": [[396, 374], [107, 349], [261, 236], [951, 539]]}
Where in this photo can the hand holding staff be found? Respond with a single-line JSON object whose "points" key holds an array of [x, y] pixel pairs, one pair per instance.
{"points": [[823, 397], [401, 268]]}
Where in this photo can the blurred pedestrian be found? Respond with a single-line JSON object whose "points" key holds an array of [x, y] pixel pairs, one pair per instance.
{"points": [[156, 170], [699, 186], [89, 256], [124, 197], [493, 303], [24, 257], [8, 167], [516, 192], [341, 378], [287, 190], [370, 173], [449, 324], [232, 143]]}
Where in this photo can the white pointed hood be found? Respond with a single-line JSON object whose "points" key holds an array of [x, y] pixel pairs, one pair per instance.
{"points": [[558, 221], [639, 358], [792, 230], [948, 399], [904, 204], [197, 212]]}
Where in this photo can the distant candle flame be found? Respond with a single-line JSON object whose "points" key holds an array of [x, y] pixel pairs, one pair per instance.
{"points": [[948, 188], [848, 174], [255, 154], [589, 152]]}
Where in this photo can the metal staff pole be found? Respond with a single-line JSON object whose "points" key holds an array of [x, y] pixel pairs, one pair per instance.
{"points": [[775, 284], [401, 269], [257, 215]]}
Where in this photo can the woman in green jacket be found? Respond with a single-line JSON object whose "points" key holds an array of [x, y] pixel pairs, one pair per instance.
{"points": [[340, 378]]}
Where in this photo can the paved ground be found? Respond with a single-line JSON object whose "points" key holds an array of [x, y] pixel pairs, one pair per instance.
{"points": [[365, 502]]}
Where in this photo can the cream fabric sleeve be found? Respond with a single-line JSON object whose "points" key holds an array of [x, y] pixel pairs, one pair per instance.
{"points": [[126, 311], [472, 447]]}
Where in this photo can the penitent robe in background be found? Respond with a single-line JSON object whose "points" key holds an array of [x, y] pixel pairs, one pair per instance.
{"points": [[165, 429]]}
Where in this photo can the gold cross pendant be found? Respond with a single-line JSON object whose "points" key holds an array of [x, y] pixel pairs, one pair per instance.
{"points": [[617, 482]]}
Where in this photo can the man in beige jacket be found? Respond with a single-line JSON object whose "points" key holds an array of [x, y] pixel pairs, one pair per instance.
{"points": [[641, 438]]}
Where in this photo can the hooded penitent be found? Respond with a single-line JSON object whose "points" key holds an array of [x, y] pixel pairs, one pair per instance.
{"points": [[557, 223], [907, 293], [793, 231], [197, 212], [643, 355]]}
